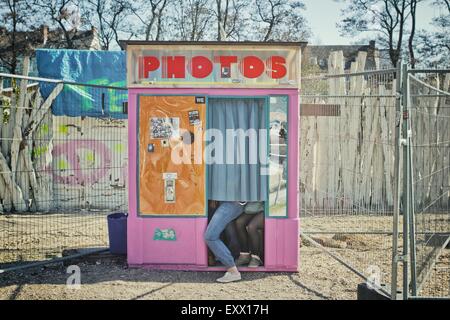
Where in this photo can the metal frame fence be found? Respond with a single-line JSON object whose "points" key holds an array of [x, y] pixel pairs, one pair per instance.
{"points": [[349, 169], [370, 199], [428, 172], [59, 175]]}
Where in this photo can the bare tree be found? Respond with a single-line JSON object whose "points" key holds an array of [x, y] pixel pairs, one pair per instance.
{"points": [[446, 3], [281, 20], [434, 47], [192, 20], [14, 16], [63, 13], [230, 15], [411, 43], [387, 18], [150, 14], [108, 16]]}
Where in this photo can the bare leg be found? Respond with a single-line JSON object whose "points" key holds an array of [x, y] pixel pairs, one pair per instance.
{"points": [[256, 223]]}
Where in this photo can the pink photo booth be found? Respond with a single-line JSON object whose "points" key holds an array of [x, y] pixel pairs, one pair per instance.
{"points": [[173, 88]]}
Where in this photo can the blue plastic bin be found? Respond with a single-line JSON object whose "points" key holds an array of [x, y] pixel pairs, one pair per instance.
{"points": [[117, 231]]}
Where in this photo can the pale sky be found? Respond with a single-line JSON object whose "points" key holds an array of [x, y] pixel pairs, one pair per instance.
{"points": [[323, 15]]}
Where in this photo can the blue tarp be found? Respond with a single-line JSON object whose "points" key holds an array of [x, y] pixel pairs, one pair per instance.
{"points": [[89, 67]]}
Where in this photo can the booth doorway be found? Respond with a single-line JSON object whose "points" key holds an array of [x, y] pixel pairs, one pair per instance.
{"points": [[237, 171]]}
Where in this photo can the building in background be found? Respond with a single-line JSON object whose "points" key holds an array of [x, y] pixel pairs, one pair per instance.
{"points": [[25, 42], [316, 57]]}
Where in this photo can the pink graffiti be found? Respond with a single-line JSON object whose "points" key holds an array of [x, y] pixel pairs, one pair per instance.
{"points": [[78, 175]]}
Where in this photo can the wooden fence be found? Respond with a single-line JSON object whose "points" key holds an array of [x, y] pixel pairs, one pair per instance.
{"points": [[347, 155], [347, 143]]}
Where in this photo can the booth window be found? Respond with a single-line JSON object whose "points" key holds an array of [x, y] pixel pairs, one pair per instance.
{"points": [[278, 148]]}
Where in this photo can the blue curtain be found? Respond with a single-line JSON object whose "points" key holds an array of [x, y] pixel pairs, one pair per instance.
{"points": [[241, 177]]}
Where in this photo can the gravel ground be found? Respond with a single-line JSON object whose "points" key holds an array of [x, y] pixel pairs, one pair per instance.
{"points": [[320, 278], [31, 238], [37, 237]]}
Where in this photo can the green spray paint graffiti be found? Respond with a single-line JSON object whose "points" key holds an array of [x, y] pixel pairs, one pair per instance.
{"points": [[44, 129], [119, 148], [63, 129], [89, 96], [165, 235], [39, 151], [62, 165]]}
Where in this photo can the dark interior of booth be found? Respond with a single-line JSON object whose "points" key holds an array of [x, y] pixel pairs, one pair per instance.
{"points": [[231, 238]]}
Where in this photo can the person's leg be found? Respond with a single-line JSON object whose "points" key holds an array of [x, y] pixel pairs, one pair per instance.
{"points": [[232, 239], [241, 228], [225, 237], [227, 212], [261, 243], [255, 224]]}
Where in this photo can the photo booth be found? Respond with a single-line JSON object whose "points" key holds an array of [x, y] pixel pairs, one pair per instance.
{"points": [[187, 102]]}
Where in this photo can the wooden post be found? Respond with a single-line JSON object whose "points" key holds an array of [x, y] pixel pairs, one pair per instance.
{"points": [[19, 183], [446, 110], [2, 182], [10, 184], [41, 181], [387, 122], [43, 147], [307, 135], [12, 132], [353, 117], [17, 132]]}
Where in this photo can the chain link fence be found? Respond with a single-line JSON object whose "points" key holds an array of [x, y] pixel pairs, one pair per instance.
{"points": [[429, 102], [348, 178]]}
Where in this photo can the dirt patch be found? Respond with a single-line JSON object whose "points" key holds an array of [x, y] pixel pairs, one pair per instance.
{"points": [[438, 281], [324, 241], [36, 237], [362, 242]]}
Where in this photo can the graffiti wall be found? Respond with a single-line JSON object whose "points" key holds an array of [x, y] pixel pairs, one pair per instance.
{"points": [[88, 150], [89, 163]]}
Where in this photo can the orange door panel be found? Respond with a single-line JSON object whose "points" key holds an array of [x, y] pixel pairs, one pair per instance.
{"points": [[171, 167]]}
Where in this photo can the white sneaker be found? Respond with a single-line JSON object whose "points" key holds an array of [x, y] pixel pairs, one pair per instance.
{"points": [[230, 277]]}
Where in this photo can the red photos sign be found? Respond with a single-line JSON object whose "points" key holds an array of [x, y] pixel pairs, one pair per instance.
{"points": [[200, 67], [212, 66]]}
